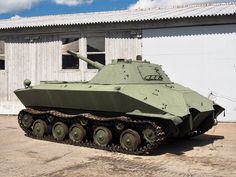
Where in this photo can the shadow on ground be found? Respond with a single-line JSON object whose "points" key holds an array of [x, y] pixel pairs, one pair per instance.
{"points": [[179, 146]]}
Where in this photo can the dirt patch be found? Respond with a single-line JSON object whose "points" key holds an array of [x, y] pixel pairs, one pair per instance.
{"points": [[114, 166], [211, 154]]}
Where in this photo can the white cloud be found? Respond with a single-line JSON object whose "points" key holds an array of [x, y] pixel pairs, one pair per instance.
{"points": [[7, 6], [143, 4], [73, 2], [15, 17]]}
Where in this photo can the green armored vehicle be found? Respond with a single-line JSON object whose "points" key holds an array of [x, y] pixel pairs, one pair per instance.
{"points": [[129, 106]]}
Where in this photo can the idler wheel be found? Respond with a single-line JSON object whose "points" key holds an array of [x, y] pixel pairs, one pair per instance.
{"points": [[130, 140], [27, 120], [77, 133], [39, 128], [149, 134], [59, 131], [102, 136]]}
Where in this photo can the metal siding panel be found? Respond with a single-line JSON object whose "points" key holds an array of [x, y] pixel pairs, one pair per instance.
{"points": [[3, 86], [122, 45], [202, 58], [201, 10], [35, 61]]}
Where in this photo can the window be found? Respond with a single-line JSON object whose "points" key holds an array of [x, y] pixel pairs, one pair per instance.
{"points": [[96, 50], [68, 61], [2, 55]]}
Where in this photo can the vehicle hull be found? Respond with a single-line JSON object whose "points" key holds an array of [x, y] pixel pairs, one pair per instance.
{"points": [[170, 104]]}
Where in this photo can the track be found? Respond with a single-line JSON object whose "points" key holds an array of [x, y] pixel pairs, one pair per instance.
{"points": [[51, 117]]}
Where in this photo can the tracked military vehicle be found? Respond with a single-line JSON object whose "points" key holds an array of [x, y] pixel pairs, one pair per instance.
{"points": [[129, 106]]}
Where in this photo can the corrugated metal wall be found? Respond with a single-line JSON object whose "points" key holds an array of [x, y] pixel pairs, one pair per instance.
{"points": [[41, 60], [123, 45], [37, 61], [202, 58], [3, 90]]}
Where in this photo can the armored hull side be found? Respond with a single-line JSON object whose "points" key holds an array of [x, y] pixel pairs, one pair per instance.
{"points": [[148, 101]]}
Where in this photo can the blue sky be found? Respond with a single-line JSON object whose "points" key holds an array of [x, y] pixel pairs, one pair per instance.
{"points": [[48, 7], [28, 8]]}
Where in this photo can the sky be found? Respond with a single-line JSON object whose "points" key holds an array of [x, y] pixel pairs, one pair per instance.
{"points": [[28, 8]]}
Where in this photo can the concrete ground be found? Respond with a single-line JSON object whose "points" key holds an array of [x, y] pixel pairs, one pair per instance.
{"points": [[212, 154]]}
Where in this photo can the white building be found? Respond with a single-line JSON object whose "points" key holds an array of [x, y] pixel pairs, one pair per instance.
{"points": [[195, 44]]}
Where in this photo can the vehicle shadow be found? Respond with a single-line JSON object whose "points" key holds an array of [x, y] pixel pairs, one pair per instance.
{"points": [[179, 146]]}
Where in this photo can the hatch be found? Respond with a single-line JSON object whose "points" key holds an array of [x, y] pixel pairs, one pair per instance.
{"points": [[150, 73]]}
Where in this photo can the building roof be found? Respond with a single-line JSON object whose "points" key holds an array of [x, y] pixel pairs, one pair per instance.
{"points": [[203, 10]]}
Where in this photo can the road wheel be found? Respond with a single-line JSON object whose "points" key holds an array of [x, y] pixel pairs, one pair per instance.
{"points": [[130, 140], [77, 133], [27, 120], [149, 134], [59, 131], [102, 136], [39, 128]]}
